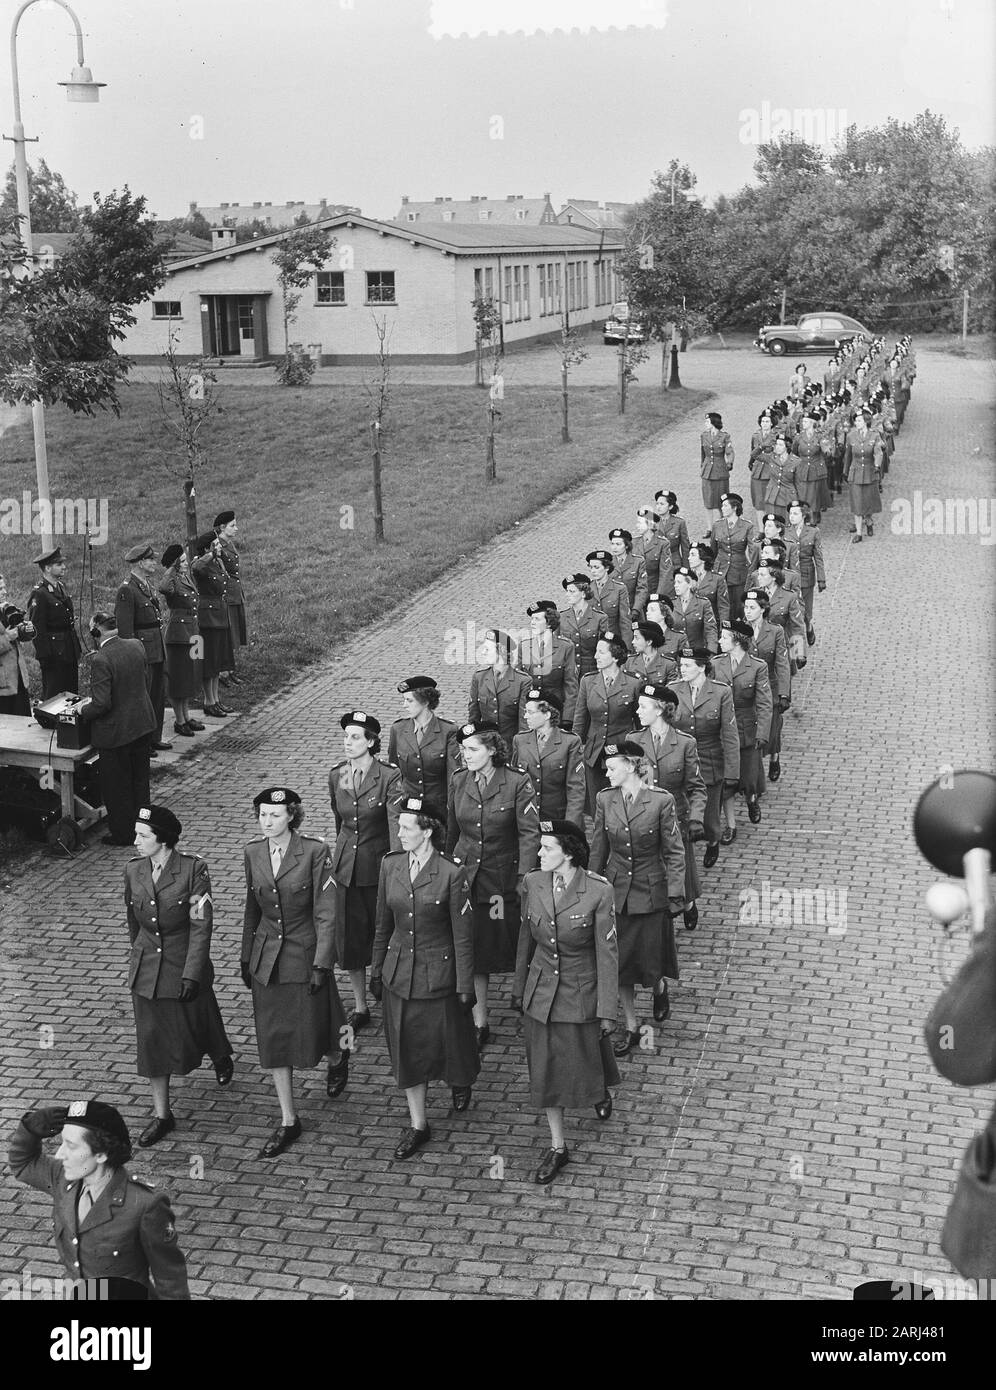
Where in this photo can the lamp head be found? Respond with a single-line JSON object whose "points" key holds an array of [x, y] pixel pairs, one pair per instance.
{"points": [[81, 86]]}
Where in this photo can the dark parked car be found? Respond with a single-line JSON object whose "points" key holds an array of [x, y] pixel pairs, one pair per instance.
{"points": [[619, 325], [813, 333]]}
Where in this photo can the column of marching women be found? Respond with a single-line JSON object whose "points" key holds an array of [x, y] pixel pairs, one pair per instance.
{"points": [[550, 837]]}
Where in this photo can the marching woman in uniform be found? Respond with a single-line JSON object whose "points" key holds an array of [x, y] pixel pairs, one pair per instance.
{"points": [[732, 536], [606, 711], [768, 641], [805, 537], [582, 623], [423, 746], [609, 594], [423, 967], [183, 668], [212, 619], [781, 489], [717, 459], [811, 471], [287, 956], [364, 793], [673, 758], [705, 709], [630, 570], [862, 471], [552, 758], [112, 1231], [747, 677], [673, 530], [566, 985], [762, 448], [177, 1020], [637, 844], [492, 830], [498, 690], [654, 550], [694, 613], [709, 586], [548, 659], [660, 610], [650, 661]]}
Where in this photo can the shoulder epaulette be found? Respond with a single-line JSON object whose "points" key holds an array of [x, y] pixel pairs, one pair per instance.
{"points": [[257, 839], [599, 878], [319, 839], [393, 853], [143, 1183]]}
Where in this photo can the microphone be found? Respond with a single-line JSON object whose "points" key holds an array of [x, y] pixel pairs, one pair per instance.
{"points": [[954, 826]]}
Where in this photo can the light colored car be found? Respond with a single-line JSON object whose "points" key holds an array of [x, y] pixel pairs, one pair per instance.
{"points": [[817, 332], [619, 325]]}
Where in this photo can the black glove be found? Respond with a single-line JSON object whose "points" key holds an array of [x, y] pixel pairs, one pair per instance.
{"points": [[784, 702], [605, 1027], [762, 748], [731, 788], [45, 1122], [377, 987], [467, 1002], [821, 587], [318, 978], [516, 1004], [189, 990], [675, 906], [800, 661], [246, 973], [696, 830]]}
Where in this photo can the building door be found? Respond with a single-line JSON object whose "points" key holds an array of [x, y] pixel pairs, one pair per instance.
{"points": [[234, 325]]}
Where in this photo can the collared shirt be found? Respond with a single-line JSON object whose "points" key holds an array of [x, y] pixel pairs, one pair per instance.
{"points": [[484, 776], [417, 864], [696, 688]]}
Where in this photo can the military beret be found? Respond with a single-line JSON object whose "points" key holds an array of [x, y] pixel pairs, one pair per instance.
{"points": [[161, 820], [204, 542], [705, 550], [652, 633], [775, 517], [562, 827], [618, 534], [50, 557], [604, 557], [733, 498], [482, 726], [416, 683], [575, 579], [670, 498], [537, 694], [140, 552], [223, 518], [422, 806], [170, 556], [757, 596], [699, 655], [499, 638], [542, 605], [686, 573], [663, 601], [275, 796], [626, 749], [740, 629], [97, 1114], [648, 513], [361, 719], [657, 690]]}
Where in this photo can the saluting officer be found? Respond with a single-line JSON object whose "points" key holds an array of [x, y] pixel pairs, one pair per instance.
{"points": [[630, 570], [552, 758], [548, 659], [606, 711], [768, 641], [423, 746], [705, 709], [583, 624], [225, 528], [108, 1224], [57, 646], [747, 677], [136, 607], [498, 690], [610, 595]]}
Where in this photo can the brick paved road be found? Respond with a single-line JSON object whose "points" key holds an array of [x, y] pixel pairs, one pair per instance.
{"points": [[786, 1135]]}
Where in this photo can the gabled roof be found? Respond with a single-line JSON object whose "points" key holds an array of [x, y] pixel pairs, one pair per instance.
{"points": [[58, 243], [533, 212], [278, 215], [591, 214]]}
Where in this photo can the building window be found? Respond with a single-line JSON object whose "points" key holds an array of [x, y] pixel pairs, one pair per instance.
{"points": [[380, 287], [507, 296], [559, 298], [517, 291], [489, 283], [478, 282], [542, 291], [520, 214], [330, 287], [166, 309], [525, 292], [448, 216], [246, 329], [571, 287], [583, 274], [483, 215], [412, 216]]}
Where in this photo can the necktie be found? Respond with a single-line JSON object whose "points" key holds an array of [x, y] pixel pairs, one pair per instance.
{"points": [[276, 854], [657, 744], [85, 1204], [419, 733], [608, 682], [559, 886], [357, 779], [156, 871], [482, 781], [694, 689], [541, 738], [413, 867], [734, 663]]}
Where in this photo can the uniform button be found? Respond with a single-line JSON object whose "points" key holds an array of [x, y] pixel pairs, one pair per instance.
{"points": [[114, 1252], [75, 1241], [76, 1264], [159, 950]]}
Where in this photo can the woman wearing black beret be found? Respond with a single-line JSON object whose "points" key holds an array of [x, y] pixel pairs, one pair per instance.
{"points": [[423, 746], [181, 637], [212, 618]]}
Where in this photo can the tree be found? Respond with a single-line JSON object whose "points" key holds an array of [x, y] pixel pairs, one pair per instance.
{"points": [[252, 231], [572, 354], [379, 395], [194, 224], [188, 400], [119, 254], [297, 256], [52, 203], [487, 317]]}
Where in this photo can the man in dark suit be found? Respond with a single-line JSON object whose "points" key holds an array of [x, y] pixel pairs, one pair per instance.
{"points": [[136, 608], [122, 724], [51, 610]]}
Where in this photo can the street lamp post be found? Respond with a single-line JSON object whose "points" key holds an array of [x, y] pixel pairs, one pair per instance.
{"points": [[80, 87]]}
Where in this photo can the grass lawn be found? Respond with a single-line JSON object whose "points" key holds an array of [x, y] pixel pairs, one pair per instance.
{"points": [[295, 465]]}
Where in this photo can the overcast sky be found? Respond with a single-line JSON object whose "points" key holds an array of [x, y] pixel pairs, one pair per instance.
{"points": [[361, 101]]}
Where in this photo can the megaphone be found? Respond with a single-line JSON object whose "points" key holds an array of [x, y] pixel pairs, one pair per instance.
{"points": [[954, 825]]}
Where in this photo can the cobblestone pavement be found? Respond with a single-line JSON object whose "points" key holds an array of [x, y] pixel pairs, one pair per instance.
{"points": [[783, 1136]]}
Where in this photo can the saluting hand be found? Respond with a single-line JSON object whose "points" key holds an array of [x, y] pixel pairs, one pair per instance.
{"points": [[45, 1122]]}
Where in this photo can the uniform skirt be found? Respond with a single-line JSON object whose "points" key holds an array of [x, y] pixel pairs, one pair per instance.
{"points": [[295, 1028], [429, 1040], [866, 499], [751, 772], [566, 1064], [496, 937], [646, 947], [173, 1038], [354, 926], [757, 490], [712, 492], [237, 624], [815, 494], [218, 655], [693, 885], [183, 673]]}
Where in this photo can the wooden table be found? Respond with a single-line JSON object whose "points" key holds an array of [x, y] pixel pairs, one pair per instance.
{"points": [[24, 743]]}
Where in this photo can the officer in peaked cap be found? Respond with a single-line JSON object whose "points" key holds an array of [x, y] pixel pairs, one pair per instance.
{"points": [[50, 608]]}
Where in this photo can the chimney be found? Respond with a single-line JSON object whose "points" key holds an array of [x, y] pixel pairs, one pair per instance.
{"points": [[510, 197], [404, 199], [222, 237], [193, 207], [224, 205], [268, 205], [289, 203], [439, 200], [235, 205], [257, 205]]}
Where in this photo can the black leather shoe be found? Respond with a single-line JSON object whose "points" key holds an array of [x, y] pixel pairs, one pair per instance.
{"points": [[184, 730], [662, 1005], [157, 1130], [224, 680], [603, 1108], [234, 679], [729, 835], [336, 1076], [221, 709], [162, 747], [690, 917], [358, 1019], [461, 1097], [754, 811], [627, 1041], [774, 769], [483, 1036], [856, 540], [281, 1138], [196, 725], [224, 1071], [411, 1140], [553, 1161], [711, 855], [811, 636], [871, 528]]}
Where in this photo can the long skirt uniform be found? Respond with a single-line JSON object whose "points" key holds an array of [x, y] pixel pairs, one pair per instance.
{"points": [[169, 924], [366, 822], [675, 763], [183, 670], [752, 708], [862, 464], [212, 614], [493, 833], [287, 933], [424, 953], [566, 974], [638, 846]]}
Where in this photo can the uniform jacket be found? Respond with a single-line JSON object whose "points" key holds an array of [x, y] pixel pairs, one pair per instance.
{"points": [[714, 444], [676, 769], [230, 559], [605, 716], [552, 665], [655, 552], [288, 922], [639, 848], [366, 821], [169, 924], [862, 456], [499, 699], [120, 708], [556, 772], [786, 611], [567, 965], [672, 529], [809, 549], [780, 489], [136, 608], [661, 669], [712, 587], [211, 579], [128, 1233], [426, 767], [699, 622], [762, 451], [770, 645], [51, 610], [791, 578], [632, 574], [494, 835], [752, 703], [181, 600], [731, 549], [423, 945], [583, 633], [713, 722], [812, 462], [613, 600]]}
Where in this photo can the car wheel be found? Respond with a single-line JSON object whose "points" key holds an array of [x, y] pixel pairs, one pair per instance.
{"points": [[777, 347]]}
